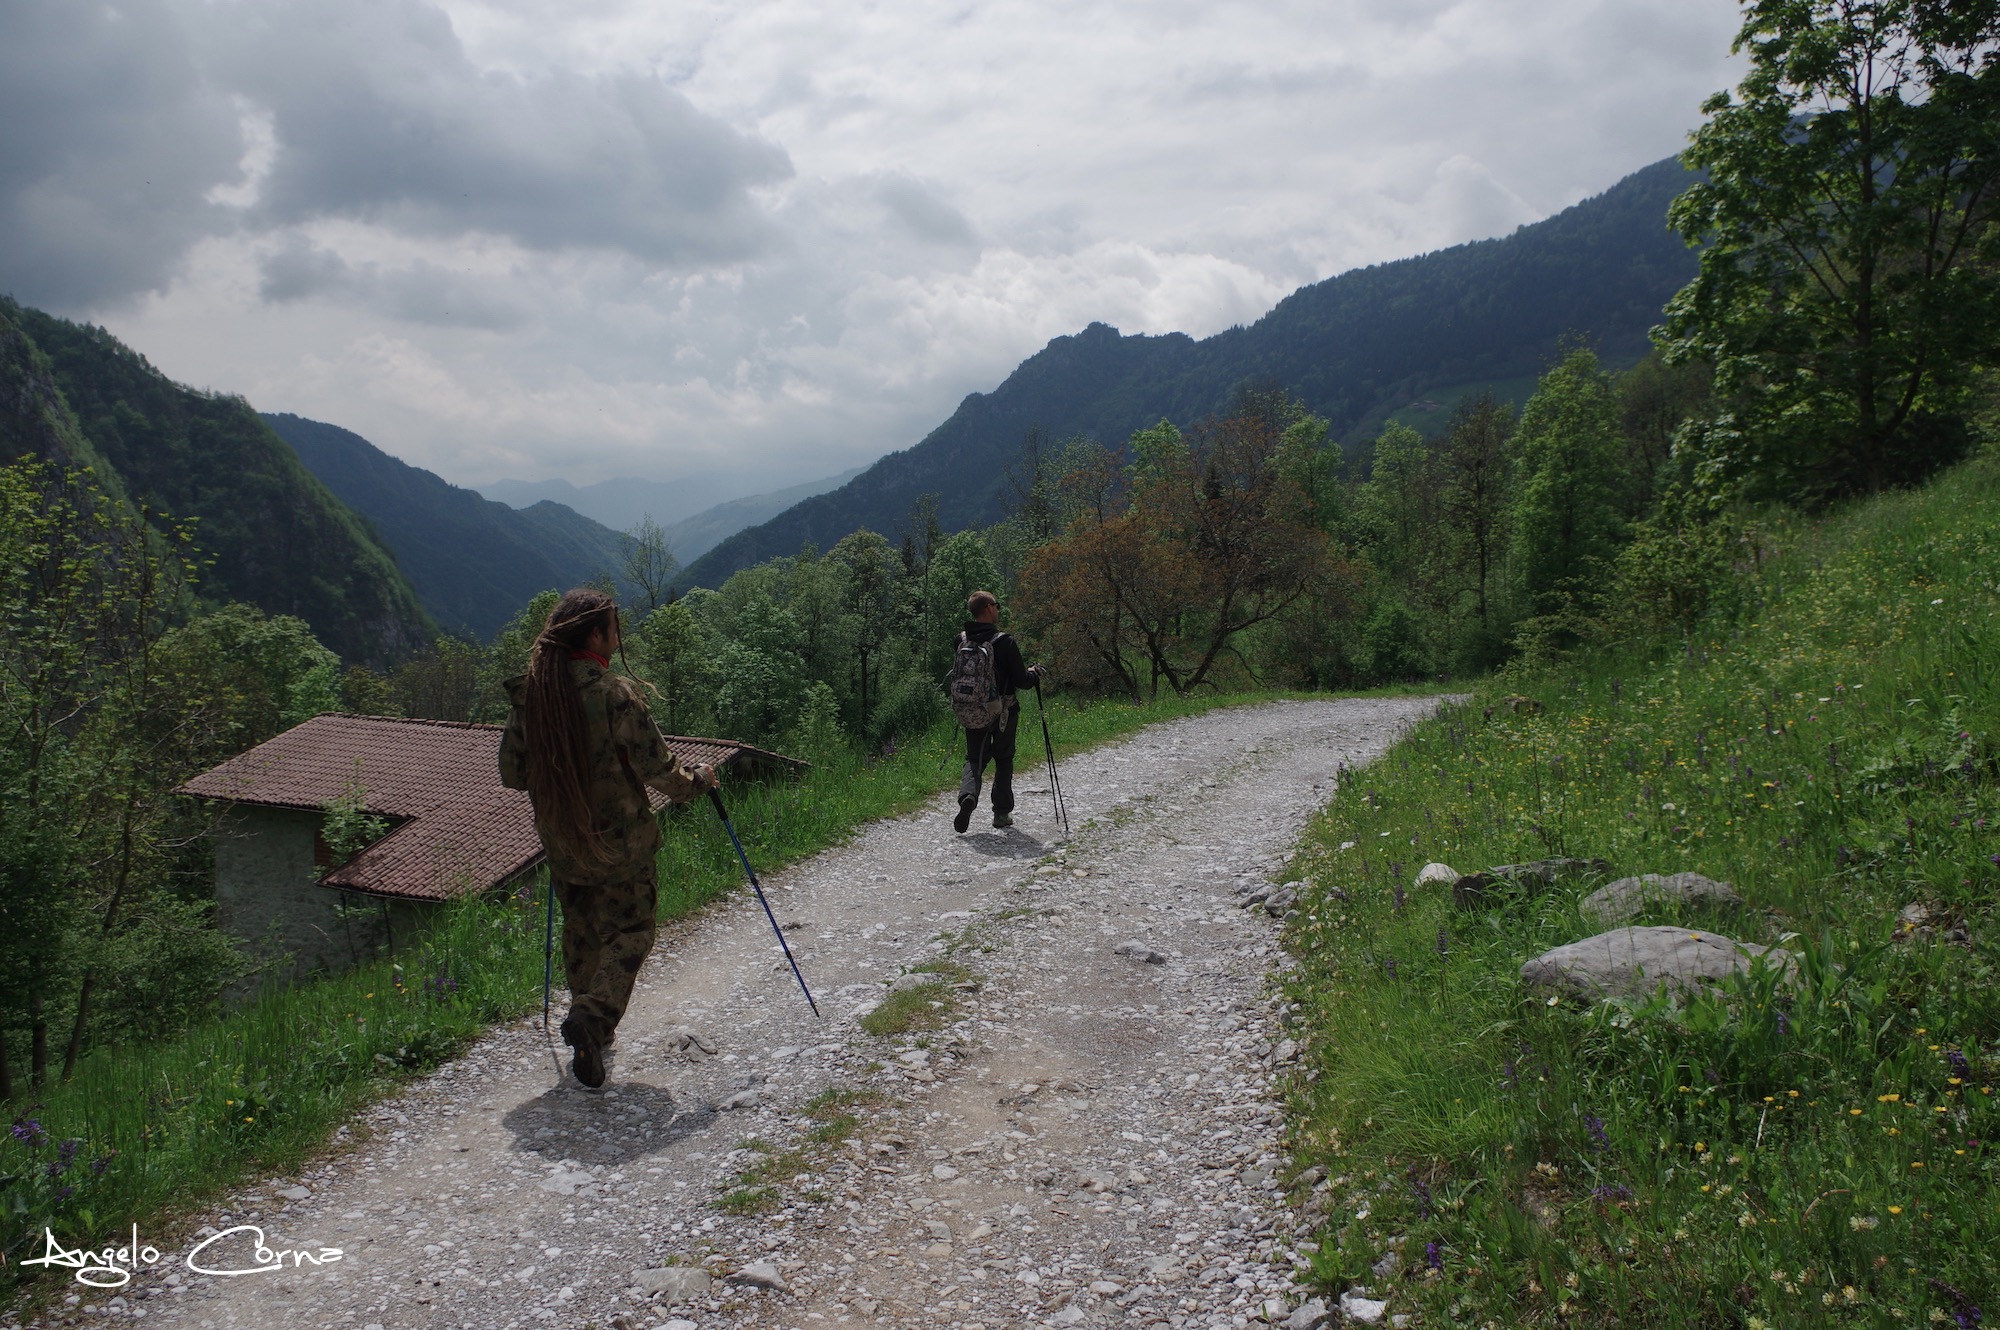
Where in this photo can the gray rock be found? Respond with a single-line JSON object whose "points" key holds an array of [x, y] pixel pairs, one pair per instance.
{"points": [[296, 1194], [1430, 873], [1273, 1310], [1632, 962], [761, 1274], [1308, 1316], [741, 1099], [674, 1283], [564, 1182], [1099, 1182], [903, 983], [1628, 897], [1388, 1265], [1139, 951], [1360, 1310], [683, 1039], [1070, 1315]]}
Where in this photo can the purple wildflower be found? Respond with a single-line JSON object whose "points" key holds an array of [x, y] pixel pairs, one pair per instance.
{"points": [[1390, 966], [1433, 1256], [1599, 1138], [1610, 1194], [1402, 896], [1443, 943], [1784, 1023], [1510, 1075], [29, 1133], [1425, 1202], [1959, 1066]]}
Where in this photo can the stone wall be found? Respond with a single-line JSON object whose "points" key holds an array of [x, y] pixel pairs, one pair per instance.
{"points": [[267, 895]]}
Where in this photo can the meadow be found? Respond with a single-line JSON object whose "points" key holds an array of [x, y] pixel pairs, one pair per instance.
{"points": [[1810, 1144]]}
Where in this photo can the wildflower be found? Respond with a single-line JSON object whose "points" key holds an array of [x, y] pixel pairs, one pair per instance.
{"points": [[1888, 1099], [1433, 1256], [1443, 943], [29, 1132], [1863, 1223], [1746, 1220], [1600, 1139], [1895, 1209]]}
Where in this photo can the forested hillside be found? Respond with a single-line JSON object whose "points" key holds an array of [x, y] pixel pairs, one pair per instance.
{"points": [[1352, 349], [473, 561], [276, 538]]}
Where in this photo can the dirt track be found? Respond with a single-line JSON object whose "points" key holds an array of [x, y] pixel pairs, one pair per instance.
{"points": [[1093, 1141]]}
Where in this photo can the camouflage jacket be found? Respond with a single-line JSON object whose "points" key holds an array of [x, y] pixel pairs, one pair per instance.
{"points": [[627, 755]]}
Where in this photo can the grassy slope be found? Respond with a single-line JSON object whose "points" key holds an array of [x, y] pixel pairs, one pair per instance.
{"points": [[1817, 1158], [160, 1129]]}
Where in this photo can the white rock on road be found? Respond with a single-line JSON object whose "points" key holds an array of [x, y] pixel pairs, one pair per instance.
{"points": [[493, 1193]]}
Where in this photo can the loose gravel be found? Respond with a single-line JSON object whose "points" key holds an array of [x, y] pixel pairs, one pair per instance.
{"points": [[1091, 1138]]}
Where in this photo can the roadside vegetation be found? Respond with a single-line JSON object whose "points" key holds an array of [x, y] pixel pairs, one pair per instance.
{"points": [[1778, 1153]]}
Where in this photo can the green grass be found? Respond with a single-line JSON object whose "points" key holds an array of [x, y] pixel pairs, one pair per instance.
{"points": [[148, 1133], [1808, 1156]]}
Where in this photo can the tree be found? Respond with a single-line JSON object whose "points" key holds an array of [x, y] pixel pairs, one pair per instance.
{"points": [[649, 563], [1473, 503], [1567, 481], [1848, 287]]}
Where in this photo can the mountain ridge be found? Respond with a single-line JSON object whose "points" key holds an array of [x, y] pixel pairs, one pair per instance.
{"points": [[1354, 347]]}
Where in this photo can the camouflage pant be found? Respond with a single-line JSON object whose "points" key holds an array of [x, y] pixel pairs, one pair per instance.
{"points": [[606, 936]]}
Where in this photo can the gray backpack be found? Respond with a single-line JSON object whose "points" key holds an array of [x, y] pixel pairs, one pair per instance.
{"points": [[973, 687]]}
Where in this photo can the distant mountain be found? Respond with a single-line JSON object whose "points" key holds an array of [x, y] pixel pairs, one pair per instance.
{"points": [[1355, 348], [278, 538], [619, 504], [473, 561], [691, 511], [692, 537]]}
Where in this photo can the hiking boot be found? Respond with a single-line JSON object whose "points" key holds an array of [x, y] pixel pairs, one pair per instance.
{"points": [[1003, 820], [587, 1058], [966, 803]]}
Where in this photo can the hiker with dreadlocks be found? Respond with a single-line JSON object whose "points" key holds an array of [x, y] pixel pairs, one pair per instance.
{"points": [[580, 741]]}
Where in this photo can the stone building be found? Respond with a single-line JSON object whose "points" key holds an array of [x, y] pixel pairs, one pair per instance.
{"points": [[453, 830]]}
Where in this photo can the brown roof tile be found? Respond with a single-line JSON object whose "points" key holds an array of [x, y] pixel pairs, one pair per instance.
{"points": [[461, 830]]}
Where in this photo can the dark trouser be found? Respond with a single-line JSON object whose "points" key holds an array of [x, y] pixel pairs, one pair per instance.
{"points": [[607, 934], [993, 744]]}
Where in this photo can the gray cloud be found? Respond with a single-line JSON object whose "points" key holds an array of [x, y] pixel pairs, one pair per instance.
{"points": [[421, 292], [112, 140], [380, 117]]}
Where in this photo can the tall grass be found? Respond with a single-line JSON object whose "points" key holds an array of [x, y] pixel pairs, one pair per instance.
{"points": [[146, 1132], [1800, 1152]]}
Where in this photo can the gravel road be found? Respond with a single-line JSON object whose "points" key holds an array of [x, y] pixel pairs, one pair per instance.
{"points": [[1093, 1139]]}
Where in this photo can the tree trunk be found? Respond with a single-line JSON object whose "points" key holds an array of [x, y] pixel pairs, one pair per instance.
{"points": [[38, 1042], [6, 1072]]}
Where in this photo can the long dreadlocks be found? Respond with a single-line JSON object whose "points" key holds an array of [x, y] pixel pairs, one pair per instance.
{"points": [[552, 722]]}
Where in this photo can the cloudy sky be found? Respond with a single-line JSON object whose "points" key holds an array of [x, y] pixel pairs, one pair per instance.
{"points": [[767, 238]]}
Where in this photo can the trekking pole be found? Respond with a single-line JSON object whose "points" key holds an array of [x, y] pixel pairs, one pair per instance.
{"points": [[1049, 748], [715, 797], [549, 953]]}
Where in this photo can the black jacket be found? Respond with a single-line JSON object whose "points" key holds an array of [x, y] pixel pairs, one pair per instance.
{"points": [[1009, 670]]}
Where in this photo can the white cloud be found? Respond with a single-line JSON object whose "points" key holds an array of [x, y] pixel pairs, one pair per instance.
{"points": [[600, 237]]}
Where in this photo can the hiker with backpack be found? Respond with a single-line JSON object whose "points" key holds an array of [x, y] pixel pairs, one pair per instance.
{"points": [[986, 671]]}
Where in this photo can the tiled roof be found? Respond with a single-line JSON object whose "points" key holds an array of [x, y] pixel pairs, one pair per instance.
{"points": [[461, 830]]}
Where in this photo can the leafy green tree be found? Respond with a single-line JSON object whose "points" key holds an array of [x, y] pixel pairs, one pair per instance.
{"points": [[672, 638], [1568, 478], [1850, 276], [873, 591], [1474, 494]]}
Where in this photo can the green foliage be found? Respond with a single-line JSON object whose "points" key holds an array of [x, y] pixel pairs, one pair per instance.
{"points": [[1848, 290], [1566, 502], [348, 827], [1780, 1153]]}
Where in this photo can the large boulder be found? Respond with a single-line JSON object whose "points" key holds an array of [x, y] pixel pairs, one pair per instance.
{"points": [[1629, 897], [1633, 962]]}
